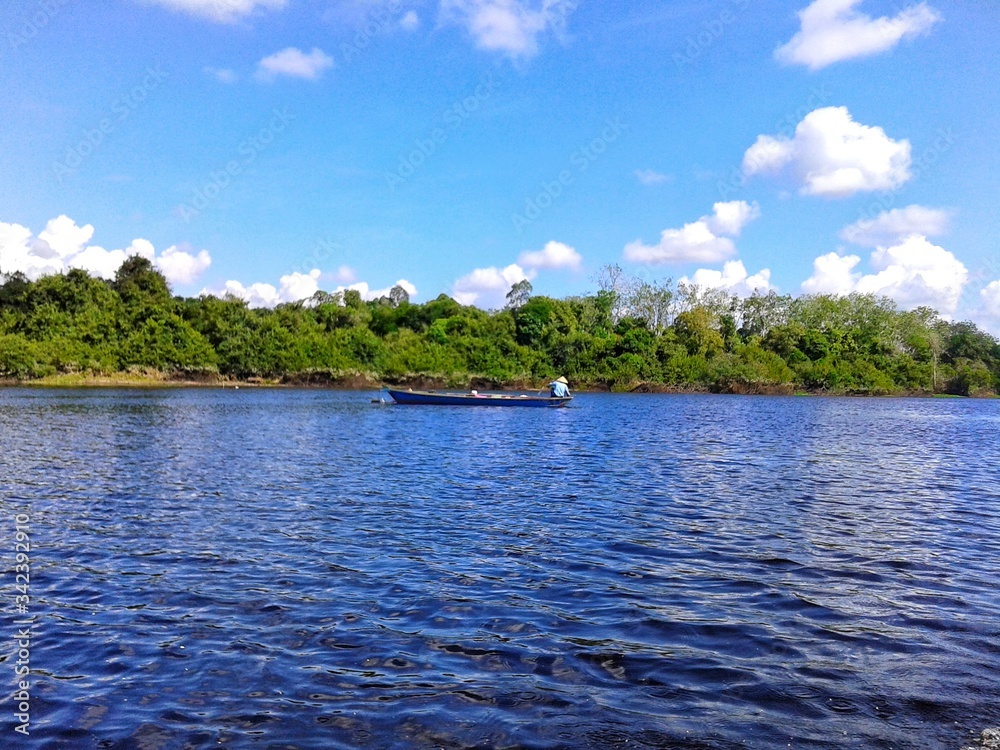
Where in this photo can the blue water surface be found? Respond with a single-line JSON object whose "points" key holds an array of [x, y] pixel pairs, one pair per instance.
{"points": [[306, 569]]}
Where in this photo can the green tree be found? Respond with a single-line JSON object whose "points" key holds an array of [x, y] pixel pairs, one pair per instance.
{"points": [[695, 330], [140, 286]]}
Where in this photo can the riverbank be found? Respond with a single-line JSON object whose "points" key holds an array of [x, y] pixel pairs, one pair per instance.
{"points": [[362, 381], [58, 327]]}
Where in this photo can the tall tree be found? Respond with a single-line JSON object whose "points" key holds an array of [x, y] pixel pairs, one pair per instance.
{"points": [[614, 282], [519, 294], [653, 302], [398, 296], [140, 286]]}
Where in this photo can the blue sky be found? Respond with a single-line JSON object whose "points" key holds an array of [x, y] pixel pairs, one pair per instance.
{"points": [[272, 147]]}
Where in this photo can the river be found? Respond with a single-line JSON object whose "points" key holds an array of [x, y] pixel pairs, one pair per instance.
{"points": [[306, 569]]}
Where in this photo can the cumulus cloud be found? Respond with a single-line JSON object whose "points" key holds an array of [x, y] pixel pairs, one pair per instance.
{"points": [[102, 263], [63, 245], [833, 274], [890, 226], [701, 241], [554, 255], [296, 287], [18, 253], [294, 63], [181, 265], [220, 11], [63, 237], [367, 293], [293, 287], [833, 156], [990, 297], [487, 287], [917, 272], [732, 216], [508, 26], [255, 295], [913, 272], [733, 278], [651, 177], [833, 30]]}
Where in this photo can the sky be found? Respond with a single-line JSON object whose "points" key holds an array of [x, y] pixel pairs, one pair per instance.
{"points": [[270, 148]]}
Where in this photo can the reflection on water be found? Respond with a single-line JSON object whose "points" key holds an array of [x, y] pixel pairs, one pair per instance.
{"points": [[304, 569]]}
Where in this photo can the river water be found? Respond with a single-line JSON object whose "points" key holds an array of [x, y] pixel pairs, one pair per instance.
{"points": [[306, 569]]}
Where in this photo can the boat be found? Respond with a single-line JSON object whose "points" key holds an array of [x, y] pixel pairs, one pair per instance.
{"points": [[445, 398]]}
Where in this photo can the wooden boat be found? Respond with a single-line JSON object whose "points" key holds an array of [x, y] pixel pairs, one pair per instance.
{"points": [[444, 398]]}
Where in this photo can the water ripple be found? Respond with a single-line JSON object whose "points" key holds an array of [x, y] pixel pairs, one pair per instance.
{"points": [[300, 569]]}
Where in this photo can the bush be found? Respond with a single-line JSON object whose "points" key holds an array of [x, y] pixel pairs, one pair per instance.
{"points": [[971, 378], [22, 359]]}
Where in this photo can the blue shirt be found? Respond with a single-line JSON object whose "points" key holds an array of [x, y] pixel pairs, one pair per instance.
{"points": [[558, 390]]}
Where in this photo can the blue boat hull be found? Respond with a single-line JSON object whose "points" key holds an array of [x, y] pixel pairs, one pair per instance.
{"points": [[430, 398]]}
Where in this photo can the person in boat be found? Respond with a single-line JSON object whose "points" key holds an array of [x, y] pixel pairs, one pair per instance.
{"points": [[559, 388]]}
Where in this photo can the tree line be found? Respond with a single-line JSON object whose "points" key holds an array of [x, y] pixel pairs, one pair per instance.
{"points": [[629, 334]]}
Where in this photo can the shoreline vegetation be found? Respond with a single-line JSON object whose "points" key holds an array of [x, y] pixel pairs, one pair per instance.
{"points": [[74, 330], [152, 379]]}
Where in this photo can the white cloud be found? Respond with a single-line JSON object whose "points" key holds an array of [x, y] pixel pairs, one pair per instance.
{"points": [[699, 241], [553, 255], [990, 296], [63, 237], [144, 249], [181, 266], [833, 274], [99, 262], [221, 11], [651, 177], [833, 156], [487, 287], [733, 278], [14, 235], [17, 253], [732, 216], [367, 293], [832, 30], [692, 243], [916, 272], [255, 295], [294, 63], [768, 155], [891, 226], [410, 21], [222, 75], [508, 26], [296, 287], [62, 245], [913, 272]]}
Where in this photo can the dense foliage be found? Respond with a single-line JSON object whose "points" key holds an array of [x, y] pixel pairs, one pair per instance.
{"points": [[628, 334]]}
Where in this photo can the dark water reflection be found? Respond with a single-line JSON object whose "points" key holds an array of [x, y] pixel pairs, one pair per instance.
{"points": [[303, 569]]}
